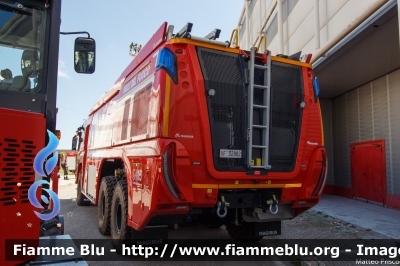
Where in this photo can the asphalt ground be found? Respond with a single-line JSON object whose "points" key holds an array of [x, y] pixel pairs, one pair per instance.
{"points": [[333, 218]]}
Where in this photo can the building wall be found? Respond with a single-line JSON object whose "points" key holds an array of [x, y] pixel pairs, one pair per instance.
{"points": [[298, 23], [370, 112]]}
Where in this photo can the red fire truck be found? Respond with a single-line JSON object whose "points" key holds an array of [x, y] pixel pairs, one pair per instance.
{"points": [[29, 38], [197, 131]]}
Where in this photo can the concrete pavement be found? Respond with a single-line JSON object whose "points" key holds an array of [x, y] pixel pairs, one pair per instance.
{"points": [[377, 218], [370, 216]]}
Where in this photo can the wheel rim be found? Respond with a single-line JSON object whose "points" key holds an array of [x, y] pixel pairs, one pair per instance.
{"points": [[118, 217]]}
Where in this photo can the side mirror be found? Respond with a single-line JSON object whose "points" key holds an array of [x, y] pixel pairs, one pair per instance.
{"points": [[74, 144], [85, 50]]}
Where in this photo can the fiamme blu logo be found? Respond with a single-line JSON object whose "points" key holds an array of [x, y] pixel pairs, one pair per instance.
{"points": [[44, 166]]}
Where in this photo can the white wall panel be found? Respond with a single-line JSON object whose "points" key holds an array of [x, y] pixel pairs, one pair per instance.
{"points": [[242, 33], [345, 15], [298, 15], [299, 25], [333, 7], [273, 46], [254, 14], [309, 47], [303, 34], [323, 36]]}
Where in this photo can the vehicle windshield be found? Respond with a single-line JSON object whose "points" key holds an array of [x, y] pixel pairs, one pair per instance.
{"points": [[22, 33]]}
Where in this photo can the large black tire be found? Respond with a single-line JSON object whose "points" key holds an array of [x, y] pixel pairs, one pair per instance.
{"points": [[120, 231], [81, 199], [243, 232], [104, 207], [215, 224]]}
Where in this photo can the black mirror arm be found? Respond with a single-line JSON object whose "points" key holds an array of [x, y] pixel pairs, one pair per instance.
{"points": [[76, 32]]}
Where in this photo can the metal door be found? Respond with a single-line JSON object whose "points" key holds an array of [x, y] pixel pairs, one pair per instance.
{"points": [[368, 170]]}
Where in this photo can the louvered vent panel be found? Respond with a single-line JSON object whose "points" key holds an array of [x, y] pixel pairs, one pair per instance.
{"points": [[16, 170]]}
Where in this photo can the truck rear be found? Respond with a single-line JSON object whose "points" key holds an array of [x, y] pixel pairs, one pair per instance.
{"points": [[195, 131]]}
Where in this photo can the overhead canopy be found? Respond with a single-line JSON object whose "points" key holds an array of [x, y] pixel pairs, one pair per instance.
{"points": [[367, 54]]}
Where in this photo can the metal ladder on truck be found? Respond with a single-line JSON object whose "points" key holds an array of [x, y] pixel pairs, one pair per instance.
{"points": [[262, 145]]}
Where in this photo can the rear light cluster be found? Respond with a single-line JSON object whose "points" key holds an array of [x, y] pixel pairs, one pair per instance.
{"points": [[167, 159]]}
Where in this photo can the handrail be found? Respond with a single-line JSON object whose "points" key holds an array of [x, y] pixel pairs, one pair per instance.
{"points": [[263, 37], [236, 38]]}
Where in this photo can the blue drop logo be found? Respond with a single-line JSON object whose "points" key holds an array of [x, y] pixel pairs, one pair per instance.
{"points": [[49, 165], [32, 198], [44, 153]]}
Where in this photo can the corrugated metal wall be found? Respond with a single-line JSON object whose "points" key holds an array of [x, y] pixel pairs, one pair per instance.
{"points": [[369, 112]]}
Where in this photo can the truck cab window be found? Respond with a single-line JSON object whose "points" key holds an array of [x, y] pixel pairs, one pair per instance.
{"points": [[21, 47]]}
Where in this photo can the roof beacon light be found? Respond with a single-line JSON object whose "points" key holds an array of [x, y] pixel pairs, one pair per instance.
{"points": [[167, 60], [316, 88]]}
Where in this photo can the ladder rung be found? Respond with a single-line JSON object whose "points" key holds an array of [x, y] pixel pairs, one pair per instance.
{"points": [[260, 67], [260, 106], [260, 126], [258, 146], [260, 87]]}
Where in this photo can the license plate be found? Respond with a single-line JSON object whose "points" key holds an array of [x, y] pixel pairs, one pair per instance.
{"points": [[223, 153]]}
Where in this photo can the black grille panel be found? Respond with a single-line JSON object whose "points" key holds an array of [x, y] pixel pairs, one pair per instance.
{"points": [[287, 94], [223, 72]]}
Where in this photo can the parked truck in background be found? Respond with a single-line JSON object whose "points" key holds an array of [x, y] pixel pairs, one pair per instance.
{"points": [[196, 131]]}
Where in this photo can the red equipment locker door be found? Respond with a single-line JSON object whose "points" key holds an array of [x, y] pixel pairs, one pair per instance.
{"points": [[368, 170]]}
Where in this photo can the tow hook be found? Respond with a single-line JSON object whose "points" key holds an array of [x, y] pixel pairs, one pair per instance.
{"points": [[222, 204], [273, 203]]}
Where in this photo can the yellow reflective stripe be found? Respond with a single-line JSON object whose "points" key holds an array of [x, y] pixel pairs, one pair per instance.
{"points": [[204, 44], [228, 186], [204, 186], [166, 104], [292, 185], [291, 62]]}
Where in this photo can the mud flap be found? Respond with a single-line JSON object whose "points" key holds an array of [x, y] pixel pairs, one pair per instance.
{"points": [[150, 236], [267, 229]]}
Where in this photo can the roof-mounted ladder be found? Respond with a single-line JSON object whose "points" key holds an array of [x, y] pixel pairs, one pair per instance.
{"points": [[263, 109]]}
